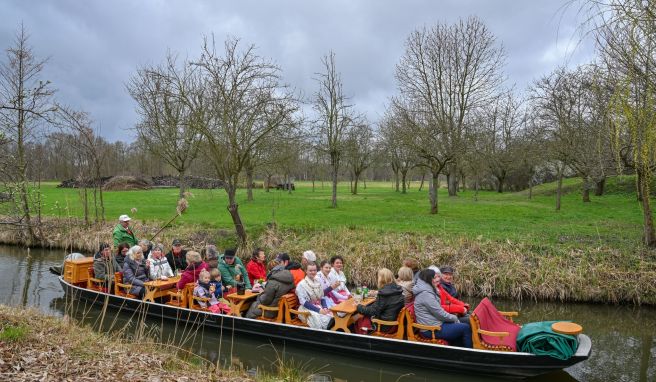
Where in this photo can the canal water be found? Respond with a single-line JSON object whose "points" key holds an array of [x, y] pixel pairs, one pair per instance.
{"points": [[622, 336]]}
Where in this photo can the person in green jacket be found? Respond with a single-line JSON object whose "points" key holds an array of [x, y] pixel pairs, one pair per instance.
{"points": [[123, 233], [233, 270]]}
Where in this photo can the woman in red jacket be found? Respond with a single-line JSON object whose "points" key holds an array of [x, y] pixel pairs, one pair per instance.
{"points": [[449, 303], [256, 268], [195, 265]]}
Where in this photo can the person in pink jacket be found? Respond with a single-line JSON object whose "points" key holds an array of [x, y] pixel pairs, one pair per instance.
{"points": [[194, 267]]}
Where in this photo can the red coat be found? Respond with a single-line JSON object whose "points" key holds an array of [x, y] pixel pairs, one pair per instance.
{"points": [[190, 275], [255, 271], [450, 303]]}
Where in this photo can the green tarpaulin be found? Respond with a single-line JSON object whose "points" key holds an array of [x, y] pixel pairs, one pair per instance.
{"points": [[539, 339]]}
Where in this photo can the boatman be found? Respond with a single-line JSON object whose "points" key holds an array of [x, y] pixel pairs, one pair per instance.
{"points": [[123, 233]]}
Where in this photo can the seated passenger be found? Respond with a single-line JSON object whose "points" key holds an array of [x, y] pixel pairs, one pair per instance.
{"points": [[219, 288], [104, 264], [323, 277], [158, 266], [135, 271], [405, 282], [177, 257], [449, 303], [256, 267], [428, 311], [414, 265], [146, 247], [194, 267], [281, 261], [310, 292], [280, 283], [308, 257], [296, 271], [212, 256], [447, 281], [389, 300], [121, 254], [205, 289], [233, 270], [340, 293]]}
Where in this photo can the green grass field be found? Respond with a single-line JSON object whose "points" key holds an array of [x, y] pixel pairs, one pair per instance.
{"points": [[614, 219]]}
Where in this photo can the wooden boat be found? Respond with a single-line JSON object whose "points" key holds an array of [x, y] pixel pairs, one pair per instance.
{"points": [[418, 354]]}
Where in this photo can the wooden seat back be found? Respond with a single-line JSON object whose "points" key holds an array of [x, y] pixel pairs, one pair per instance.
{"points": [[95, 284], [291, 310], [194, 301], [121, 289], [181, 297], [280, 309], [477, 340], [397, 329], [413, 328]]}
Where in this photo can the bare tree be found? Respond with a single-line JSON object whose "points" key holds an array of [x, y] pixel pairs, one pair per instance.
{"points": [[246, 102], [447, 72], [359, 151], [168, 123], [334, 117], [26, 106], [402, 157]]}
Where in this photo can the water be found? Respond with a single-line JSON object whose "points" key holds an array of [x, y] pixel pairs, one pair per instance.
{"points": [[622, 336]]}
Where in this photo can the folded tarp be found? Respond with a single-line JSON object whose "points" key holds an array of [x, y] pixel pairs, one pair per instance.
{"points": [[538, 338]]}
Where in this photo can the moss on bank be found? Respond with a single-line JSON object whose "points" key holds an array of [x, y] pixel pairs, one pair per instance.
{"points": [[37, 347], [588, 272]]}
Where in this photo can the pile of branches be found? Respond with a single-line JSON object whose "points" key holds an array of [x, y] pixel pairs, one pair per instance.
{"points": [[191, 182], [80, 183], [142, 182]]}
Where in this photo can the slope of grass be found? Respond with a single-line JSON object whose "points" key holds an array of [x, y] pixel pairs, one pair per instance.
{"points": [[614, 219]]}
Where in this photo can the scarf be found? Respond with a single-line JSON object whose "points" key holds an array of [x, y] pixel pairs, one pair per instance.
{"points": [[313, 289]]}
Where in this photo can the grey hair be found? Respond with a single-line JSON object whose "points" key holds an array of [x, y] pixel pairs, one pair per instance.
{"points": [[133, 251], [211, 250], [144, 242], [158, 246]]}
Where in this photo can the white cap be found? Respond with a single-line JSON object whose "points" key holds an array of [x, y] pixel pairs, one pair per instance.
{"points": [[436, 269], [124, 218], [309, 256]]}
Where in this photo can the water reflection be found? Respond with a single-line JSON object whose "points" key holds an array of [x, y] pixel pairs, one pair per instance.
{"points": [[623, 336]]}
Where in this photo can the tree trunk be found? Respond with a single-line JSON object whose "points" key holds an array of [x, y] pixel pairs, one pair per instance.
{"points": [[649, 234], [560, 187], [182, 182], [396, 180], [249, 184], [452, 181], [85, 203], [500, 185], [334, 187], [586, 194], [600, 185], [289, 184], [364, 182], [404, 175], [421, 185], [312, 184], [639, 185], [433, 188], [233, 209], [476, 189], [268, 183], [355, 184]]}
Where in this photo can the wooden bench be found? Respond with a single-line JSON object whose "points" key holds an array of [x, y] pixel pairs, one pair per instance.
{"points": [[180, 297], [121, 289], [397, 329], [95, 284], [478, 341], [280, 309], [411, 326], [290, 301]]}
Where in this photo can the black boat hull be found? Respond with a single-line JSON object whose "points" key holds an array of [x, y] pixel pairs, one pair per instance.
{"points": [[426, 356]]}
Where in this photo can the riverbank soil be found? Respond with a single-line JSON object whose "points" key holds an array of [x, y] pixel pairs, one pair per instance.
{"points": [[36, 347]]}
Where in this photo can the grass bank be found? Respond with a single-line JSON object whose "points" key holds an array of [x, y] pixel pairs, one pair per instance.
{"points": [[502, 245], [37, 347]]}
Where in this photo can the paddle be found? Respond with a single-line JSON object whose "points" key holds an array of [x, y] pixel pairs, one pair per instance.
{"points": [[179, 210]]}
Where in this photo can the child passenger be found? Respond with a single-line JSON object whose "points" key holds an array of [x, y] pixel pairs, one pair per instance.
{"points": [[205, 289], [215, 282]]}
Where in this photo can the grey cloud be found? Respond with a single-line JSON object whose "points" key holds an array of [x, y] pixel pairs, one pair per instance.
{"points": [[96, 45]]}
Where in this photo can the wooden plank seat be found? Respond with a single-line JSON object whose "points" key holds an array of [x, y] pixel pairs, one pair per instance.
{"points": [[478, 341], [121, 289], [413, 329], [95, 284], [396, 330], [279, 310], [291, 310], [180, 297]]}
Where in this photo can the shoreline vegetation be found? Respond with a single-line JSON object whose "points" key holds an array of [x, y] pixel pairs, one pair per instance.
{"points": [[36, 346], [585, 253]]}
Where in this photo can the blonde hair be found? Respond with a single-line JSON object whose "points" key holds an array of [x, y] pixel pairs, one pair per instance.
{"points": [[193, 257], [215, 272], [204, 273], [405, 274], [385, 277], [133, 251]]}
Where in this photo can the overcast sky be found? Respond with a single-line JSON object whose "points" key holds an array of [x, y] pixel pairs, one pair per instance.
{"points": [[95, 46]]}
